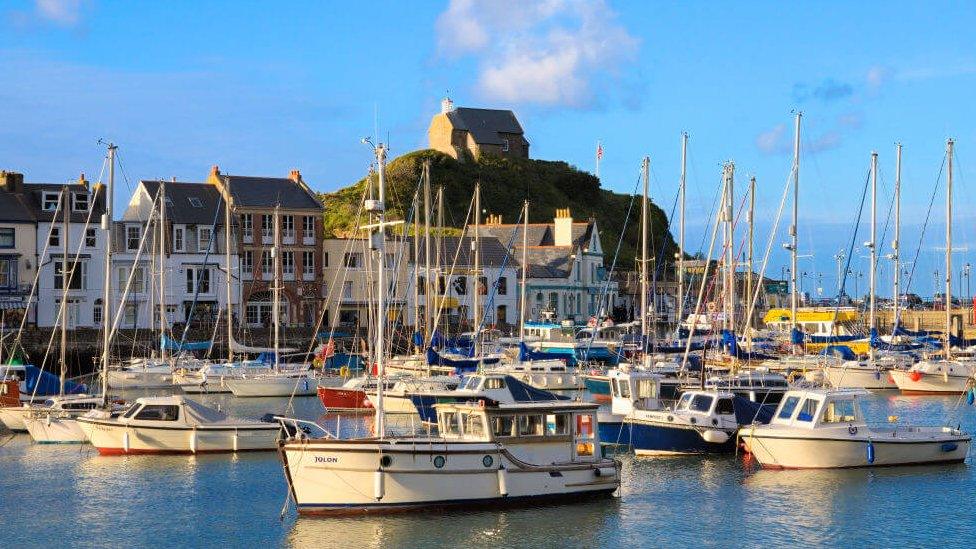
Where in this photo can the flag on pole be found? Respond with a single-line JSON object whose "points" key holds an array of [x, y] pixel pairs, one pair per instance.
{"points": [[599, 150]]}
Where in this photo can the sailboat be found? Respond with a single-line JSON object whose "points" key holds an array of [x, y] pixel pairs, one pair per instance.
{"points": [[945, 375], [484, 453]]}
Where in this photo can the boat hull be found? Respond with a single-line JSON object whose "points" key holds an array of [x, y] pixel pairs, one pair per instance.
{"points": [[113, 439], [339, 398], [859, 378], [929, 384], [652, 438], [825, 453], [336, 477], [13, 418], [46, 429], [122, 379], [597, 385], [273, 387]]}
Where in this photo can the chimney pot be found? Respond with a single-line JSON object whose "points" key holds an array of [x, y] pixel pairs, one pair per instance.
{"points": [[295, 176], [215, 170]]}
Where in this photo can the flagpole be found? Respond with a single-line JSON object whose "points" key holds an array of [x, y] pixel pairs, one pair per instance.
{"points": [[599, 154]]}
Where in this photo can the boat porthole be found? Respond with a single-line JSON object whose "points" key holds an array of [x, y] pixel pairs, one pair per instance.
{"points": [[487, 461], [670, 418], [714, 421], [439, 461], [694, 421], [386, 461]]}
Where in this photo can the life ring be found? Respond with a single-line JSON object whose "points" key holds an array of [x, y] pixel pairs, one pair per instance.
{"points": [[852, 429]]}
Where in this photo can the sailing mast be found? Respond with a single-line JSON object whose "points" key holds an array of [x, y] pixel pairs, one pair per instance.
{"points": [[439, 266], [428, 284], [228, 204], [525, 270], [874, 255], [749, 288], [948, 257], [66, 276], [794, 297], [730, 258], [476, 245], [107, 285], [896, 243], [276, 289], [162, 266], [378, 244], [645, 168], [416, 263], [681, 230]]}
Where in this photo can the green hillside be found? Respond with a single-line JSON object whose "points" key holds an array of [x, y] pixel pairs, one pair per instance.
{"points": [[504, 184]]}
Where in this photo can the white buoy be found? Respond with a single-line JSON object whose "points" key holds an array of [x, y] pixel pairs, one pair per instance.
{"points": [[235, 441], [378, 488], [125, 442], [193, 441], [502, 481], [715, 436]]}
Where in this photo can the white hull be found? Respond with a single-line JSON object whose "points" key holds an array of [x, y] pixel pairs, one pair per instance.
{"points": [[776, 451], [563, 381], [930, 383], [13, 418], [280, 386], [394, 404], [111, 438], [129, 379], [855, 377], [52, 429], [355, 477]]}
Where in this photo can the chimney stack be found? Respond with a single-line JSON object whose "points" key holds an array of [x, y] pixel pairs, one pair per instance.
{"points": [[82, 181], [12, 182], [563, 225], [295, 175], [215, 170]]}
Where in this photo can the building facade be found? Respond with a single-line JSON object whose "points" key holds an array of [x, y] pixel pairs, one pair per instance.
{"points": [[18, 249], [461, 132]]}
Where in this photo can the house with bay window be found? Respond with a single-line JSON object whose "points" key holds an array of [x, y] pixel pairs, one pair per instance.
{"points": [[194, 267]]}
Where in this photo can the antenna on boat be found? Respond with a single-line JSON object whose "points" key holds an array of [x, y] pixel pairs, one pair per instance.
{"points": [[872, 245], [950, 144], [794, 297]]}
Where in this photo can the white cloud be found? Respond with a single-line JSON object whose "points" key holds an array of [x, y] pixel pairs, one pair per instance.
{"points": [[773, 140], [547, 52], [878, 76], [66, 13]]}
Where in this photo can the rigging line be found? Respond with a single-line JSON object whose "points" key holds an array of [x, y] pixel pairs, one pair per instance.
{"points": [[921, 236]]}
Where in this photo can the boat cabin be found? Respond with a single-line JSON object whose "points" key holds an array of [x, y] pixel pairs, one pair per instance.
{"points": [[639, 390], [536, 432], [176, 411], [546, 331], [820, 408], [758, 386], [711, 406]]}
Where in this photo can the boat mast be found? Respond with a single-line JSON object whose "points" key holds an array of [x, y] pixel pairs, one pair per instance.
{"points": [[66, 276], [428, 284], [645, 168], [162, 267], [948, 257], [874, 255], [107, 284], [476, 301], [276, 289], [896, 244], [525, 270], [794, 297], [228, 205], [379, 245], [439, 266], [681, 230], [730, 258], [416, 263], [749, 288]]}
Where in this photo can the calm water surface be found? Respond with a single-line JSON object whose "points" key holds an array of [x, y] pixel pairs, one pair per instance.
{"points": [[71, 496]]}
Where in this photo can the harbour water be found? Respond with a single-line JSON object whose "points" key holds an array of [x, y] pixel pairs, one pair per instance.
{"points": [[71, 496]]}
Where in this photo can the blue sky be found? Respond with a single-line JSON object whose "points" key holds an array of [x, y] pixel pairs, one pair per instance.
{"points": [[262, 89]]}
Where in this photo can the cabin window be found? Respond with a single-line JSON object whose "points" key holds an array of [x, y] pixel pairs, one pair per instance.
{"points": [[701, 403], [450, 423], [786, 411], [502, 426], [725, 407], [839, 411], [473, 425], [623, 388], [585, 435], [495, 383], [131, 411], [159, 412], [557, 424], [684, 402], [530, 425], [807, 410]]}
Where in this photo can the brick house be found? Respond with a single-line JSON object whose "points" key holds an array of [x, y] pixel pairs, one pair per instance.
{"points": [[253, 201], [463, 131]]}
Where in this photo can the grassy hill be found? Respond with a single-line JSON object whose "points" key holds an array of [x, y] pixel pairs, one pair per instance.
{"points": [[504, 185]]}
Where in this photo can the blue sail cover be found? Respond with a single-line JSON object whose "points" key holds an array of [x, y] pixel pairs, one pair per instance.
{"points": [[45, 383], [526, 354], [461, 365], [521, 392], [842, 351], [731, 345], [170, 344]]}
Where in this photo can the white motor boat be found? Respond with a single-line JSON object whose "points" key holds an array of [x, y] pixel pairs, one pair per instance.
{"points": [[825, 428], [933, 377], [397, 400], [212, 378], [174, 425], [14, 416], [54, 421], [284, 383], [543, 374], [861, 374], [500, 454]]}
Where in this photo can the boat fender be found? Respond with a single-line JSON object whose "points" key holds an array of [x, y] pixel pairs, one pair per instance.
{"points": [[870, 452], [715, 436], [852, 429], [502, 481], [970, 397], [950, 447], [125, 442], [877, 375], [481, 403], [915, 375], [193, 441], [378, 486], [604, 472]]}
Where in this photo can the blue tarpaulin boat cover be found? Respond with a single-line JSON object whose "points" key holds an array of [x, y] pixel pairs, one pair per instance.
{"points": [[747, 412], [39, 382], [170, 344], [434, 358]]}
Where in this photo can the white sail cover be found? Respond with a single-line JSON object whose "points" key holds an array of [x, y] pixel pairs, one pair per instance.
{"points": [[240, 348]]}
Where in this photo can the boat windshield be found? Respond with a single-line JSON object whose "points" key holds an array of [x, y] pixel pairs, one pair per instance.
{"points": [[471, 384], [786, 411], [701, 403], [808, 410], [683, 403], [839, 411], [132, 410]]}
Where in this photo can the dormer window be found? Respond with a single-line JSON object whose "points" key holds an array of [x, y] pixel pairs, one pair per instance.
{"points": [[49, 201], [195, 202], [204, 237], [80, 202], [133, 234]]}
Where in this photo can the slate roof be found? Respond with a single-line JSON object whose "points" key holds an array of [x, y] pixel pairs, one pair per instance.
{"points": [[539, 234], [493, 252], [268, 191], [485, 124], [181, 210], [14, 208], [34, 192]]}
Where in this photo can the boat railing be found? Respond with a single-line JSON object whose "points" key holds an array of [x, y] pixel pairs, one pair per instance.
{"points": [[303, 429]]}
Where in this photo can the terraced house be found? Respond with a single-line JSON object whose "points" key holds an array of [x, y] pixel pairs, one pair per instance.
{"points": [[253, 201]]}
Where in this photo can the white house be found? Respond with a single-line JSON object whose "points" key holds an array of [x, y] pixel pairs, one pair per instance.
{"points": [[195, 271]]}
